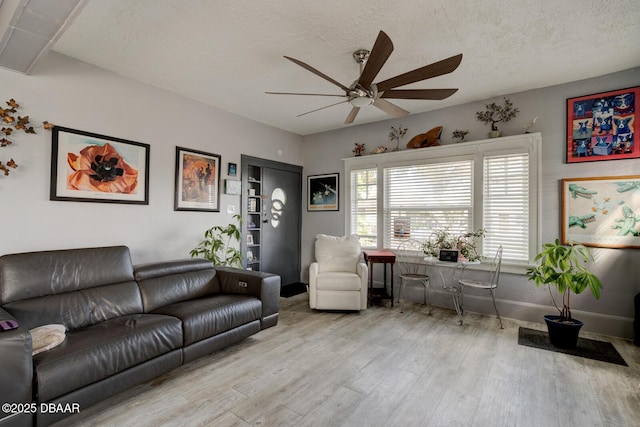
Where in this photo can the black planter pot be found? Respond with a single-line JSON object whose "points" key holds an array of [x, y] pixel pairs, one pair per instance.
{"points": [[563, 334]]}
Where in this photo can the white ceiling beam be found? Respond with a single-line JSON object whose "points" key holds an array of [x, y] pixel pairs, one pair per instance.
{"points": [[29, 28]]}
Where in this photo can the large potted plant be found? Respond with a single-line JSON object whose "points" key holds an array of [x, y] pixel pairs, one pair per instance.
{"points": [[217, 247], [563, 267]]}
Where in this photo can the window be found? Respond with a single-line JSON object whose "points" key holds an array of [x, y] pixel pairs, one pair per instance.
{"points": [[364, 205], [506, 205], [491, 184], [421, 198]]}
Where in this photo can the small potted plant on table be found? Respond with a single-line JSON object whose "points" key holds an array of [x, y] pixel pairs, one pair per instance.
{"points": [[562, 267]]}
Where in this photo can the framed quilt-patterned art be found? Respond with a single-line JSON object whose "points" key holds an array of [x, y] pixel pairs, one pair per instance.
{"points": [[602, 126]]}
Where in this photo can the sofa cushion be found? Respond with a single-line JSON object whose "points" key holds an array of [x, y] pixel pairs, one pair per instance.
{"points": [[173, 288], [335, 253], [332, 281], [36, 274], [79, 308], [208, 316], [98, 351]]}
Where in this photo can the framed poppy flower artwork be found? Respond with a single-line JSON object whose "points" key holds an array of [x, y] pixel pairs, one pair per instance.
{"points": [[87, 167]]}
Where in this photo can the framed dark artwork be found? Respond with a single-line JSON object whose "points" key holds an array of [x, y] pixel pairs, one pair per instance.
{"points": [[197, 181], [448, 255], [602, 211], [602, 126], [322, 192], [88, 167], [232, 169]]}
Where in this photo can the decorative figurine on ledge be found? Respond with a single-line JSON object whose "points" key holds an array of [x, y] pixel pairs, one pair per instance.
{"points": [[359, 149], [459, 134], [497, 113], [397, 135], [529, 125]]}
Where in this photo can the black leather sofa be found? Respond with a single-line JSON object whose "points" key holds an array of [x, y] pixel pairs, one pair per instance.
{"points": [[125, 324]]}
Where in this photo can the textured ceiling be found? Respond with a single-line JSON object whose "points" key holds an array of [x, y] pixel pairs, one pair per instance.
{"points": [[227, 53]]}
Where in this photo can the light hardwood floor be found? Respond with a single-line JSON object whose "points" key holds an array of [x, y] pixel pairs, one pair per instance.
{"points": [[381, 367]]}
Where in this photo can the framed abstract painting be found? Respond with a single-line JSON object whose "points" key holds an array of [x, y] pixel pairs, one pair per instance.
{"points": [[602, 126], [322, 192], [602, 211], [197, 181], [88, 167]]}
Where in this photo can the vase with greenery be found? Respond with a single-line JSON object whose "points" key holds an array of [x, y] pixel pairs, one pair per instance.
{"points": [[564, 267], [466, 243], [495, 114], [217, 247]]}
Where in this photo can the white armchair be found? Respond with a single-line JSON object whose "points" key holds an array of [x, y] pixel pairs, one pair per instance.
{"points": [[338, 280]]}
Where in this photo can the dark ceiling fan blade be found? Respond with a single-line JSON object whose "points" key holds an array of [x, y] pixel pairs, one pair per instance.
{"points": [[352, 115], [380, 52], [322, 108], [436, 69], [308, 94], [435, 94], [389, 108], [318, 73]]}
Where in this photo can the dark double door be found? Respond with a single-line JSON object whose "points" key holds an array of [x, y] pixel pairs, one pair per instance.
{"points": [[281, 216]]}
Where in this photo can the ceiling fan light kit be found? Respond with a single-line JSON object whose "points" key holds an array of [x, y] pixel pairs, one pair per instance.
{"points": [[363, 92]]}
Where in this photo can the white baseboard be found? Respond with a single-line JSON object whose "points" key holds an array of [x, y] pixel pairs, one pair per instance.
{"points": [[604, 324]]}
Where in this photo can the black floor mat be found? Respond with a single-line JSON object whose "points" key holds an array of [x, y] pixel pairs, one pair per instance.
{"points": [[293, 289], [590, 349]]}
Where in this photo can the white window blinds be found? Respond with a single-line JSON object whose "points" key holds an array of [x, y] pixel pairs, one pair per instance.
{"points": [[364, 206], [506, 205], [421, 198]]}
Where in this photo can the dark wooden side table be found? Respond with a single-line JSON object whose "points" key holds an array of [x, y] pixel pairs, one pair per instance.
{"points": [[384, 257]]}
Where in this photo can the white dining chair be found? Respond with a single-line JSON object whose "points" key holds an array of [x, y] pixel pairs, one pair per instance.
{"points": [[491, 284]]}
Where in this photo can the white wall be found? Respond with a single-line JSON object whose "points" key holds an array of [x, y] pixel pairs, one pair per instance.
{"points": [[619, 268], [80, 96]]}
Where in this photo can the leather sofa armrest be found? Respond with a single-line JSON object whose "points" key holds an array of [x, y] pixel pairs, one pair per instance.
{"points": [[265, 286], [16, 366]]}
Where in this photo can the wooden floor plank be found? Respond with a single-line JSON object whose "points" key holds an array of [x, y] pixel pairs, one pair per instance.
{"points": [[382, 367]]}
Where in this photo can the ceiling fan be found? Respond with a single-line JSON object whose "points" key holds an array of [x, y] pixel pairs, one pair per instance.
{"points": [[364, 92]]}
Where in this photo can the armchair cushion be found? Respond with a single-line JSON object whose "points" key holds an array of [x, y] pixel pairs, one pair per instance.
{"points": [[335, 253], [337, 281]]}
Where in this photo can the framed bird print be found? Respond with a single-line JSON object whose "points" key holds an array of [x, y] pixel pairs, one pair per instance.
{"points": [[322, 192]]}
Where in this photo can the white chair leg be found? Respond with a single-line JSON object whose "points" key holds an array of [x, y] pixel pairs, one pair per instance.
{"points": [[401, 297]]}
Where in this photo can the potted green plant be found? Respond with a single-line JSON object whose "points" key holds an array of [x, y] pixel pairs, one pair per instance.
{"points": [[466, 243], [563, 267], [216, 245], [495, 113]]}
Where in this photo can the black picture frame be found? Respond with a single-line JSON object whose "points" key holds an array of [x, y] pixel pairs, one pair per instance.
{"points": [[448, 255], [323, 192], [197, 181], [89, 167], [232, 169]]}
